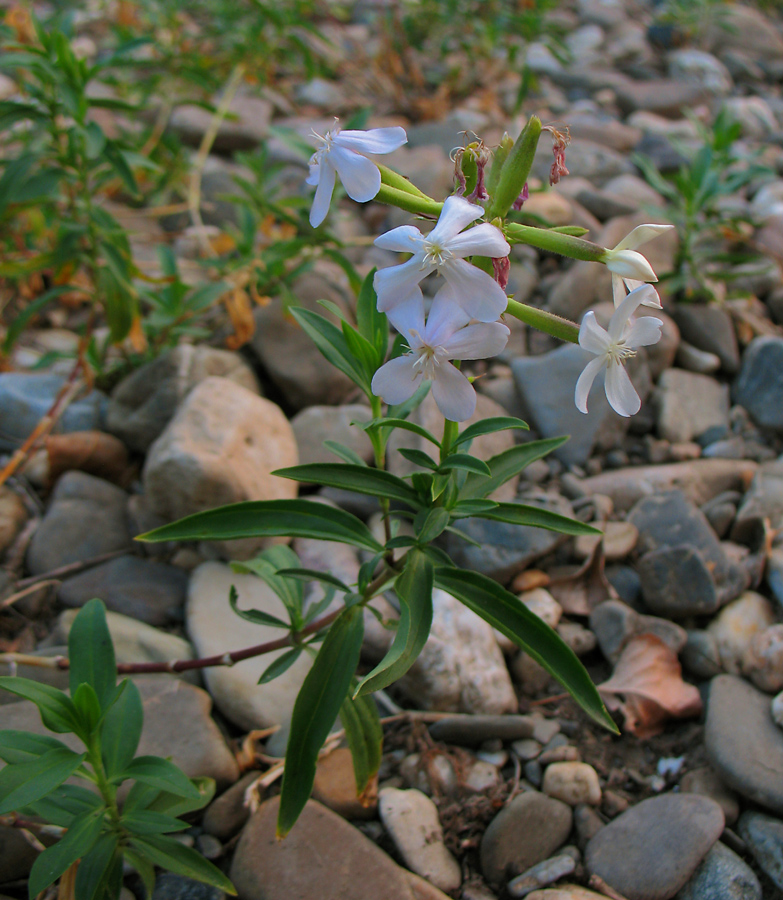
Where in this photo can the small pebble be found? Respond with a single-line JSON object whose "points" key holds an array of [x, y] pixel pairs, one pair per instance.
{"points": [[527, 749], [542, 874], [573, 783], [562, 754]]}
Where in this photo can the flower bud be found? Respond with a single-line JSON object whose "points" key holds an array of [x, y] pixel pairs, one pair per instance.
{"points": [[516, 169], [629, 264]]}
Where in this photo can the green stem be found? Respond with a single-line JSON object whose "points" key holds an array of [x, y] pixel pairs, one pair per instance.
{"points": [[412, 203], [555, 242], [399, 182], [450, 431], [558, 327], [107, 791]]}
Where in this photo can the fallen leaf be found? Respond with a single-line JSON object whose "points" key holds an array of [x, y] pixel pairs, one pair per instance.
{"points": [[647, 687], [581, 591]]}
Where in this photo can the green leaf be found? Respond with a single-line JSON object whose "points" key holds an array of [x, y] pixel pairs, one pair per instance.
{"points": [[256, 616], [269, 518], [363, 351], [143, 796], [25, 783], [20, 322], [146, 821], [57, 711], [267, 565], [364, 735], [506, 465], [361, 479], [24, 746], [477, 507], [345, 453], [282, 664], [521, 514], [63, 804], [143, 866], [94, 873], [510, 616], [488, 426], [373, 325], [78, 840], [405, 425], [467, 463], [316, 575], [433, 522], [116, 159], [169, 854], [316, 709], [414, 588], [418, 458], [159, 773], [121, 730], [88, 708], [331, 343], [91, 653]]}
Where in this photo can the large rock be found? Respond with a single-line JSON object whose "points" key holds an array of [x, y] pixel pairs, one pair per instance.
{"points": [[650, 851], [702, 69], [214, 628], [688, 404], [764, 499], [244, 129], [764, 837], [323, 856], [722, 875], [759, 386], [316, 424], [745, 28], [461, 668], [86, 518], [743, 743], [220, 448], [26, 398], [664, 96], [143, 403], [711, 329]]}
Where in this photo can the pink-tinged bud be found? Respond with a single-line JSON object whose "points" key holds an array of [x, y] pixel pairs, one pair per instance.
{"points": [[523, 196], [501, 267], [480, 190], [561, 141]]}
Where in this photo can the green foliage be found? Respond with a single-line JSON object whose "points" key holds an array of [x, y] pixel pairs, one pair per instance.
{"points": [[107, 718], [712, 235]]}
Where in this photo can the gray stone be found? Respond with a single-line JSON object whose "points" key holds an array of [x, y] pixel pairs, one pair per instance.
{"points": [[470, 731], [695, 360], [144, 403], [505, 549], [711, 329], [706, 782], [700, 655], [244, 129], [722, 875], [677, 583], [540, 875], [700, 68], [144, 589], [650, 851], [305, 864], [176, 887], [26, 398], [764, 837], [316, 424], [546, 385], [754, 115], [17, 854], [744, 745], [688, 404], [614, 624], [86, 518], [607, 13], [759, 386], [666, 97], [764, 498], [525, 832], [745, 28], [226, 814]]}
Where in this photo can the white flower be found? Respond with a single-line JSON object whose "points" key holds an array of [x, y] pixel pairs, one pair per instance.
{"points": [[444, 249], [446, 335], [613, 347], [345, 153], [629, 268]]}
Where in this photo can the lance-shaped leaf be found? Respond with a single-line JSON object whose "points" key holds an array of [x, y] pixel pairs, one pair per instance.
{"points": [[315, 711], [79, 840], [331, 342], [361, 479], [414, 589], [488, 426], [364, 734], [510, 616], [269, 518], [373, 325], [508, 464], [96, 869], [25, 783], [57, 711], [169, 853], [522, 514], [91, 653]]}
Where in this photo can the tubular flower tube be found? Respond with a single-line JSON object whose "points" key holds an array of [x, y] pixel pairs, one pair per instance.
{"points": [[629, 268], [443, 250], [447, 334], [613, 348], [345, 153]]}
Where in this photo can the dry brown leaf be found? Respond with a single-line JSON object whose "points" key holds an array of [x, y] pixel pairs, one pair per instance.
{"points": [[240, 312], [581, 591], [647, 687]]}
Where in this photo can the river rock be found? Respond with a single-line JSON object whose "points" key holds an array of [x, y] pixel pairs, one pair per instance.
{"points": [[143, 403], [722, 875], [711, 329], [411, 819], [305, 864], [759, 385], [525, 832], [461, 668], [736, 626], [614, 623], [704, 780], [650, 851], [764, 837], [744, 745], [244, 129], [572, 782], [676, 582], [335, 787], [763, 659], [214, 628], [13, 515], [700, 68], [688, 404], [316, 424], [86, 518], [764, 499]]}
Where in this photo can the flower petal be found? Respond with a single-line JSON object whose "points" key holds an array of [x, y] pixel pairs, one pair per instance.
{"points": [[484, 239], [620, 393], [376, 140], [314, 175], [644, 331], [653, 301], [618, 290], [456, 214], [359, 175], [407, 315], [396, 381], [454, 394], [592, 336], [641, 235], [446, 316], [630, 264], [479, 341], [404, 239], [626, 309], [476, 292], [585, 382], [323, 194], [395, 283]]}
